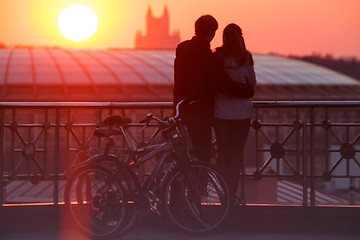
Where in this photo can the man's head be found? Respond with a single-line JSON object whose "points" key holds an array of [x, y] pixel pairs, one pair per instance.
{"points": [[206, 27]]}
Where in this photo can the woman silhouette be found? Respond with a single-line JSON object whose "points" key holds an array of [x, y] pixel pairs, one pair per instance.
{"points": [[232, 115]]}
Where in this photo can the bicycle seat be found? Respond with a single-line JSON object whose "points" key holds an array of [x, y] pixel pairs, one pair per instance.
{"points": [[102, 132], [116, 120]]}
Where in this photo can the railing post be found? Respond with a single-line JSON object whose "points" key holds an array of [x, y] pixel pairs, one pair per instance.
{"points": [[305, 170], [312, 157], [57, 157], [256, 142], [2, 158], [326, 142], [243, 185]]}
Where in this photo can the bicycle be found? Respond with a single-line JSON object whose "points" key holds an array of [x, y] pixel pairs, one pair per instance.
{"points": [[107, 201]]}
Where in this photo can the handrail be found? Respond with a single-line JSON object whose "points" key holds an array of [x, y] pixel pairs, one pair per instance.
{"points": [[317, 104], [260, 104], [86, 104]]}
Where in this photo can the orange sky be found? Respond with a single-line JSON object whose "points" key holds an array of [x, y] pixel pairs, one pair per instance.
{"points": [[282, 26]]}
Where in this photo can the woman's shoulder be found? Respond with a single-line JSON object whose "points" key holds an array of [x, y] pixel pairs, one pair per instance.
{"points": [[250, 58]]}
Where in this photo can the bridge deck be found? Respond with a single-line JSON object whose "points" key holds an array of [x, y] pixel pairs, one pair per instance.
{"points": [[250, 222]]}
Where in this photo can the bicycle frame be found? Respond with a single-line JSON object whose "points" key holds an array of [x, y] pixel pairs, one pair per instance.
{"points": [[163, 150]]}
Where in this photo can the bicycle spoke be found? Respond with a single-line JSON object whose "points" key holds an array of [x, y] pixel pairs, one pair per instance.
{"points": [[97, 203], [199, 204]]}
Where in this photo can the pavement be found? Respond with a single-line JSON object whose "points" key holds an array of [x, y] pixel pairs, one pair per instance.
{"points": [[250, 222]]}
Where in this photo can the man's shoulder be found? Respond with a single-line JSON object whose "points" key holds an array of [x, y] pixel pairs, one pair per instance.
{"points": [[183, 48], [184, 44], [192, 48]]}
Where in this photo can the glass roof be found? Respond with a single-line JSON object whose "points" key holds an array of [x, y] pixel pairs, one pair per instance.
{"points": [[271, 69], [140, 73]]}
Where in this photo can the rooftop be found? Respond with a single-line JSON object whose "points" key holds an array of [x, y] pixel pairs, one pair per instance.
{"points": [[43, 74]]}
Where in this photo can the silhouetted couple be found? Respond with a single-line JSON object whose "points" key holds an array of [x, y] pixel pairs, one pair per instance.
{"points": [[220, 86]]}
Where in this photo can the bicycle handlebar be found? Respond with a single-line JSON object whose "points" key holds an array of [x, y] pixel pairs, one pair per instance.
{"points": [[177, 108], [150, 116], [119, 121]]}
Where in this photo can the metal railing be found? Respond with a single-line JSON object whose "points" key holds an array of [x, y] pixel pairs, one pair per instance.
{"points": [[311, 145]]}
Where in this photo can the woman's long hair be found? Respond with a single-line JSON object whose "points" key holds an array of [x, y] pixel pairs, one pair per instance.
{"points": [[234, 46]]}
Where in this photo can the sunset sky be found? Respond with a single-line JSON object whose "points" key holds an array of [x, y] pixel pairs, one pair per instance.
{"points": [[298, 27]]}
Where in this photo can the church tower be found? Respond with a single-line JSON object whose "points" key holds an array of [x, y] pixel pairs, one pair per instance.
{"points": [[157, 33]]}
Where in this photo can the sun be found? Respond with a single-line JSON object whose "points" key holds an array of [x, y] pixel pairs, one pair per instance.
{"points": [[77, 23]]}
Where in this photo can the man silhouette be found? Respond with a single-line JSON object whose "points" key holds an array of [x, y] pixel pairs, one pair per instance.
{"points": [[198, 74]]}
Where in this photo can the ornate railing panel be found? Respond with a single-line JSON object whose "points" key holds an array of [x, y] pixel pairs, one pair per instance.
{"points": [[304, 151], [310, 143]]}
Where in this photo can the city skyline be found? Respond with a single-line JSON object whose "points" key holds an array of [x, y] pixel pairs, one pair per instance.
{"points": [[276, 26]]}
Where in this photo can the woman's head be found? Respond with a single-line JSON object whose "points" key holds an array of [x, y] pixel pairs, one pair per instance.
{"points": [[234, 44], [232, 32]]}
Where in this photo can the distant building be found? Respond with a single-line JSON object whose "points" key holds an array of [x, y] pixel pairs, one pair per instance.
{"points": [[157, 33]]}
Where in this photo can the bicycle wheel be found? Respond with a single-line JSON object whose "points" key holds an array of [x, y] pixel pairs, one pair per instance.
{"points": [[98, 203], [197, 203]]}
